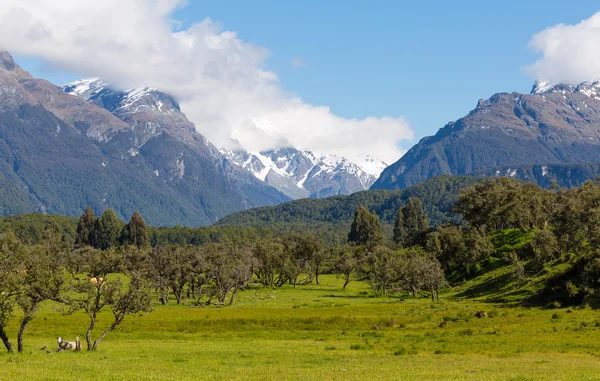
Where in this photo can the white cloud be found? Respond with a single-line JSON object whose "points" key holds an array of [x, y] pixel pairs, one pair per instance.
{"points": [[570, 53], [298, 62], [220, 80]]}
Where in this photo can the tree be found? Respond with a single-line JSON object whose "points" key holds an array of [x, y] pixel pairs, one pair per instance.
{"points": [[345, 264], [506, 203], [382, 270], [544, 246], [365, 229], [135, 232], [160, 267], [181, 271], [85, 228], [400, 233], [433, 276], [44, 278], [98, 292], [11, 277], [411, 222], [415, 219], [479, 247], [449, 246], [106, 232], [518, 268], [231, 270], [309, 254], [269, 263]]}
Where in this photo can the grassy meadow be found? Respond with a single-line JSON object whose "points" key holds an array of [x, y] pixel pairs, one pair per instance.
{"points": [[321, 333]]}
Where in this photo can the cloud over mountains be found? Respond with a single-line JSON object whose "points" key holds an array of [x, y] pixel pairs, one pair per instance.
{"points": [[221, 81], [569, 53]]}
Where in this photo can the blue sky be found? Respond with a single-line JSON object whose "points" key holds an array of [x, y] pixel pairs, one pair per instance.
{"points": [[428, 60]]}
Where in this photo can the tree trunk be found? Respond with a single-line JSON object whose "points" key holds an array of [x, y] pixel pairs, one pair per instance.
{"points": [[108, 330], [232, 296], [5, 340], [88, 335], [346, 282], [178, 294], [317, 275], [26, 320]]}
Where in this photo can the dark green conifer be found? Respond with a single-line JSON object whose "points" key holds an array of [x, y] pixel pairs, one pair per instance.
{"points": [[85, 227], [106, 233], [365, 229], [135, 232]]}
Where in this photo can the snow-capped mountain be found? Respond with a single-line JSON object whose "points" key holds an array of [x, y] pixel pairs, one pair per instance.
{"points": [[591, 90], [551, 133], [295, 172], [155, 130], [300, 173]]}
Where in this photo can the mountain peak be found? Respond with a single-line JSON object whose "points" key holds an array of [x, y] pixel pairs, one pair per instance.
{"points": [[8, 64], [540, 87], [590, 89]]}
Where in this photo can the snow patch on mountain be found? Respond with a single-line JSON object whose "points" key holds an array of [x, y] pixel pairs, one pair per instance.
{"points": [[131, 100], [588, 89], [300, 172]]}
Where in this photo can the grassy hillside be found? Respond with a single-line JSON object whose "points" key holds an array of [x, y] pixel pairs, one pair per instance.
{"points": [[331, 217]]}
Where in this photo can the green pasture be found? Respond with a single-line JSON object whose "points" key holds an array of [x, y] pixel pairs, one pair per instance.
{"points": [[320, 333]]}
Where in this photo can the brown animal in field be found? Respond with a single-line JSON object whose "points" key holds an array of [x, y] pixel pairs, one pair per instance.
{"points": [[481, 314]]}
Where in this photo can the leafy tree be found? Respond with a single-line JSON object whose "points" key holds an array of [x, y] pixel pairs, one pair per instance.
{"points": [[478, 247], [577, 220], [269, 257], [231, 270], [400, 232], [518, 268], [106, 232], [411, 222], [85, 228], [182, 268], [449, 246], [135, 232], [366, 229], [382, 270], [415, 219], [345, 263], [98, 292], [11, 277], [544, 246], [309, 254], [506, 203], [160, 268], [44, 278]]}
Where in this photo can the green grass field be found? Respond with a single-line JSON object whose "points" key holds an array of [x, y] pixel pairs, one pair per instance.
{"points": [[321, 333]]}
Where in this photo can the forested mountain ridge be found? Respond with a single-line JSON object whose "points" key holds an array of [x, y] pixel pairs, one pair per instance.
{"points": [[552, 125], [332, 216], [60, 153]]}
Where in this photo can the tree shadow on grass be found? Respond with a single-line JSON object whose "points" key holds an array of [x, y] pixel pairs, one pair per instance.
{"points": [[486, 288]]}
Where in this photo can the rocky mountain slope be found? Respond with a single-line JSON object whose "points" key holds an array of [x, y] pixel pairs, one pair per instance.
{"points": [[553, 125], [60, 153], [301, 173]]}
